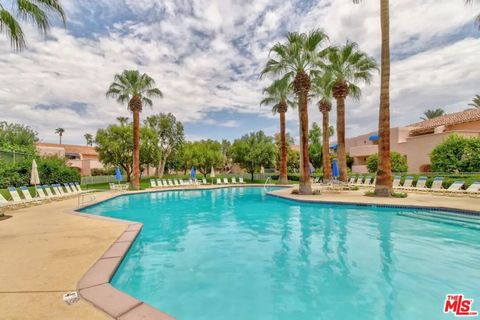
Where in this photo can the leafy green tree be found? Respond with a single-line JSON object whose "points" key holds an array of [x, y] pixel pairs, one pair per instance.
{"points": [[277, 95], [114, 145], [35, 11], [253, 151], [399, 162], [170, 136], [456, 154], [135, 89], [60, 132], [476, 101], [430, 114], [298, 59], [293, 160], [348, 66], [204, 155], [17, 137], [88, 139], [314, 141]]}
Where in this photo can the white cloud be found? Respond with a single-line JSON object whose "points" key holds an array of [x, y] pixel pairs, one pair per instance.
{"points": [[206, 55]]}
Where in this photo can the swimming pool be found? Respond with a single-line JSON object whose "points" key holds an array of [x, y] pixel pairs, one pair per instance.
{"points": [[236, 253]]}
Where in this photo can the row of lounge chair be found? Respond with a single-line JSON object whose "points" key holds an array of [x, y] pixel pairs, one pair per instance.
{"points": [[42, 193], [167, 183], [421, 185]]}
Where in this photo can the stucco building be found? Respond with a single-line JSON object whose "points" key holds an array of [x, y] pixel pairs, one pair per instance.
{"points": [[416, 141], [82, 158]]}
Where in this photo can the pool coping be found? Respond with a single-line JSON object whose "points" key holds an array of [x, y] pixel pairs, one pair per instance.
{"points": [[95, 286], [375, 205]]}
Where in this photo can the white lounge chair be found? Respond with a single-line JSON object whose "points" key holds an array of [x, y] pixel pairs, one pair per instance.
{"points": [[455, 188], [48, 191], [234, 180], [225, 181], [240, 180], [474, 188], [79, 187], [437, 185], [3, 202], [368, 181], [14, 195], [170, 182], [176, 183], [73, 188], [421, 184], [352, 180], [69, 191], [219, 181], [26, 193], [396, 181], [359, 181], [153, 183], [40, 192], [204, 181], [407, 184]]}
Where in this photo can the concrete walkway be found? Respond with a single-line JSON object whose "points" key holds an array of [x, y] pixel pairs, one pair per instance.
{"points": [[43, 253]]}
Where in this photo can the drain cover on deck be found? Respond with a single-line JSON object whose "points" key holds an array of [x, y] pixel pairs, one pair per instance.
{"points": [[71, 297]]}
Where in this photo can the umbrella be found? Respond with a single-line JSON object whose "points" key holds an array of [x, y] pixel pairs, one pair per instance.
{"points": [[212, 173], [334, 146], [192, 173], [262, 170], [374, 137], [34, 178], [335, 173], [118, 175]]}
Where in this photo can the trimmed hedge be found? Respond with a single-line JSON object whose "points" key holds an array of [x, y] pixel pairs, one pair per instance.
{"points": [[50, 170]]}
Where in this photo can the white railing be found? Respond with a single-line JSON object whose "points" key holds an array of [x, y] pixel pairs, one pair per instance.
{"points": [[97, 179], [266, 183], [82, 196]]}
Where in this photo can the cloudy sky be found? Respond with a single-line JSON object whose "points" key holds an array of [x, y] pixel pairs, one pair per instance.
{"points": [[205, 55]]}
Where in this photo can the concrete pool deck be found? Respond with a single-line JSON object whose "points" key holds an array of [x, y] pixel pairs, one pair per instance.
{"points": [[45, 251]]}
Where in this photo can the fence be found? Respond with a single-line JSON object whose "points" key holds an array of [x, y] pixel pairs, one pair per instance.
{"points": [[98, 179], [12, 156]]}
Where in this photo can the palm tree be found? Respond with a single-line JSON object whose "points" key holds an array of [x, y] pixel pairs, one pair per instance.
{"points": [[35, 11], [299, 59], [430, 114], [477, 19], [123, 120], [60, 132], [348, 66], [322, 88], [475, 102], [88, 138], [135, 89], [277, 95]]}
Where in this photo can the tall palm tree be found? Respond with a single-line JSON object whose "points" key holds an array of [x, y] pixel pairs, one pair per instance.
{"points": [[322, 88], [299, 59], [430, 114], [135, 89], [88, 138], [277, 95], [348, 66], [477, 19], [475, 102], [60, 132], [35, 11], [123, 120]]}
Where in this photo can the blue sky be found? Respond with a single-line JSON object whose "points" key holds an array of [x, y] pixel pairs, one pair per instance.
{"points": [[206, 57]]}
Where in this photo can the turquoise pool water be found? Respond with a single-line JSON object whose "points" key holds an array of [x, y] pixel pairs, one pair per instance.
{"points": [[238, 254]]}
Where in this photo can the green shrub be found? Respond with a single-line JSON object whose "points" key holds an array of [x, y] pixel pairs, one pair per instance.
{"points": [[50, 170], [399, 162], [456, 154]]}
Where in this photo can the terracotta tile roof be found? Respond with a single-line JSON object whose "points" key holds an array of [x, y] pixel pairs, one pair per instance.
{"points": [[429, 125], [70, 148]]}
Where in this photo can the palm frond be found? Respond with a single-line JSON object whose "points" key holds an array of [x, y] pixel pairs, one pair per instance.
{"points": [[30, 12], [12, 29], [53, 5]]}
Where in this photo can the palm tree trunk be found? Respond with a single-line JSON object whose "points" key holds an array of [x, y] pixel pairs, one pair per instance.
{"points": [[283, 150], [342, 155], [136, 150], [305, 183], [327, 169], [60, 138], [383, 186]]}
